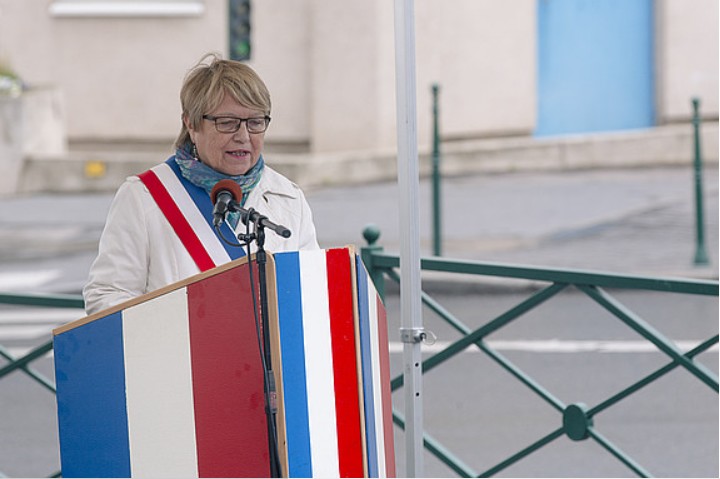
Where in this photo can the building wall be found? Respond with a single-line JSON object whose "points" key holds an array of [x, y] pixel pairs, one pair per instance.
{"points": [[347, 52], [120, 76], [482, 54], [687, 58], [330, 67], [282, 54]]}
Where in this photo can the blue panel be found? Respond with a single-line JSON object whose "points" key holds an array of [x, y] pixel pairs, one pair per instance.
{"points": [[367, 373], [595, 65], [287, 271], [92, 414]]}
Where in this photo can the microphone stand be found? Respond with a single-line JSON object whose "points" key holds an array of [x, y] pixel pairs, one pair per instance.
{"points": [[270, 388], [260, 223]]}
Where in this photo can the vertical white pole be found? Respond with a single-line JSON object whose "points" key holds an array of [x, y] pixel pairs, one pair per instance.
{"points": [[408, 182]]}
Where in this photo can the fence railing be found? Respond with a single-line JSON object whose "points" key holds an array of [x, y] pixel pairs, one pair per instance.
{"points": [[23, 363], [577, 419]]}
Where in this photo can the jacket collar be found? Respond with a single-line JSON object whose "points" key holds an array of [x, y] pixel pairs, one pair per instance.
{"points": [[273, 183]]}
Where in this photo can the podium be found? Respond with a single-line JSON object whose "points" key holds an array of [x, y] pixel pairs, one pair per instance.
{"points": [[171, 384]]}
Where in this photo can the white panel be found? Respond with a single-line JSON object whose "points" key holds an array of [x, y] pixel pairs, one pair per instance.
{"points": [[376, 378], [322, 416], [158, 376], [126, 8]]}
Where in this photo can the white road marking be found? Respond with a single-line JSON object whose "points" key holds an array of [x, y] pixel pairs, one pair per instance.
{"points": [[536, 346], [561, 346], [40, 315], [20, 352], [14, 333], [27, 280], [33, 323]]}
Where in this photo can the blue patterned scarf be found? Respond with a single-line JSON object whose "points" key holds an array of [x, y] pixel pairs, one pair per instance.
{"points": [[200, 174]]}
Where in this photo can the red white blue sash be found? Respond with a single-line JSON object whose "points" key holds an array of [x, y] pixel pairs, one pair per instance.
{"points": [[188, 209]]}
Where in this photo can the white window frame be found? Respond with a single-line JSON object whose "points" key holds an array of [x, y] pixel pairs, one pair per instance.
{"points": [[126, 8]]}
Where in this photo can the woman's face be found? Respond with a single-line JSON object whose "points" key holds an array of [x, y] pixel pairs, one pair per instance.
{"points": [[230, 153]]}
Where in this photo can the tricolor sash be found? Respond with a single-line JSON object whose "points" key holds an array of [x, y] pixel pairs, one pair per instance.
{"points": [[188, 208]]}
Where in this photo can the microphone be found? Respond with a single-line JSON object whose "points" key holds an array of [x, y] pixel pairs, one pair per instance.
{"points": [[223, 194], [226, 195]]}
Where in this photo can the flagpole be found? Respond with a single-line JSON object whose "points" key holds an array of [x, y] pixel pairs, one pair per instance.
{"points": [[411, 331]]}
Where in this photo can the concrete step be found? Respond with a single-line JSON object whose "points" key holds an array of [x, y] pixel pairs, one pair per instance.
{"points": [[94, 167]]}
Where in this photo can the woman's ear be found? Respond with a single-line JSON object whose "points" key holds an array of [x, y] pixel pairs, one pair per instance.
{"points": [[189, 127]]}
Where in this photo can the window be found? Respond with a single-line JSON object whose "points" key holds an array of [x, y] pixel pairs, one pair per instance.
{"points": [[127, 8]]}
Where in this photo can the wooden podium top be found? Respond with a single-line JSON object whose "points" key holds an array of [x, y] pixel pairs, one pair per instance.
{"points": [[158, 292]]}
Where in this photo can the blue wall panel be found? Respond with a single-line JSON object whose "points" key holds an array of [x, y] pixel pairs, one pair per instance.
{"points": [[595, 65]]}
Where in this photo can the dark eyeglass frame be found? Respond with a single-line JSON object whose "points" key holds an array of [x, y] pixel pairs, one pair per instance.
{"points": [[240, 121]]}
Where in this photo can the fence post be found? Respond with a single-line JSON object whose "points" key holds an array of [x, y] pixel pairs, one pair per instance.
{"points": [[437, 221], [701, 258], [371, 233]]}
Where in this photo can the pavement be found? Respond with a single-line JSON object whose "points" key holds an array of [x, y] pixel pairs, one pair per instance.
{"points": [[624, 220], [639, 221]]}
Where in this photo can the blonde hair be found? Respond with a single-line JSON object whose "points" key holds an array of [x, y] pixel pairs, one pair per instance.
{"points": [[209, 81]]}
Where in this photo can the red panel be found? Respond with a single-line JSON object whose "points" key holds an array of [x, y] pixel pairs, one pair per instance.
{"points": [[347, 396], [386, 392], [230, 423]]}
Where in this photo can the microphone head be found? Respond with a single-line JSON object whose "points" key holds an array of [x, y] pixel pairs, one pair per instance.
{"points": [[226, 185]]}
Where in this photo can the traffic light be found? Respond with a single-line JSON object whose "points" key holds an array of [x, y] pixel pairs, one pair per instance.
{"points": [[240, 46]]}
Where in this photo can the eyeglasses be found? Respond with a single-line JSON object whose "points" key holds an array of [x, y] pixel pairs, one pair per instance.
{"points": [[231, 124]]}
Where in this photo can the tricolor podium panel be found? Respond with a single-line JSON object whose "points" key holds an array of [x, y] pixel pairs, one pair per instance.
{"points": [[171, 384]]}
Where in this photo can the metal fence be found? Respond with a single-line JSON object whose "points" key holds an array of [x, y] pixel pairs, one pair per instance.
{"points": [[23, 364], [576, 419]]}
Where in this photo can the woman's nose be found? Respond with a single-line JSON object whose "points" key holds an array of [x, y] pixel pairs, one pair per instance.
{"points": [[242, 134]]}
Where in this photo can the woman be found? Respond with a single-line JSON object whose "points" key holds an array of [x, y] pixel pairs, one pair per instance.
{"points": [[159, 228]]}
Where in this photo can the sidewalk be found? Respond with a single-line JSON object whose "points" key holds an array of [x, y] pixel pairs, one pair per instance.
{"points": [[634, 221], [638, 221]]}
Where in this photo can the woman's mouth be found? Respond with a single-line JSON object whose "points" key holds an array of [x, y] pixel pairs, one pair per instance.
{"points": [[240, 154]]}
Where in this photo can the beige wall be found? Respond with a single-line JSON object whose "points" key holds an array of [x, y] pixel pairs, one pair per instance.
{"points": [[281, 54], [483, 56], [330, 66], [346, 53], [481, 53], [687, 58], [120, 76]]}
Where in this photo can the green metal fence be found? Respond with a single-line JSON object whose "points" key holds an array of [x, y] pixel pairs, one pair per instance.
{"points": [[576, 419], [23, 363]]}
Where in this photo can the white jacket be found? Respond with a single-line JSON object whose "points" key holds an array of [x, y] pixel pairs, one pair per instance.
{"points": [[139, 251]]}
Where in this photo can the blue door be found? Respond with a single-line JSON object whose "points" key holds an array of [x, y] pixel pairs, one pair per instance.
{"points": [[595, 66]]}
